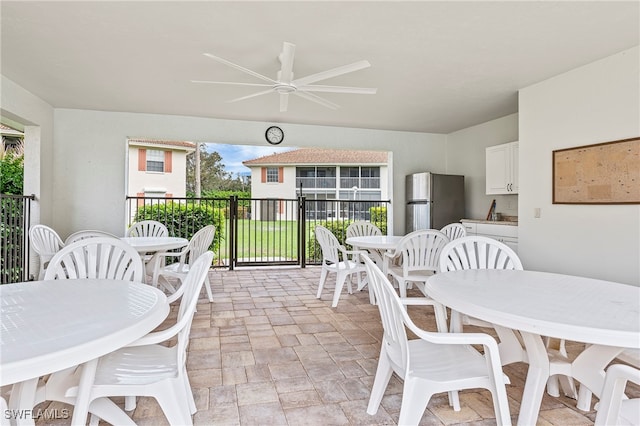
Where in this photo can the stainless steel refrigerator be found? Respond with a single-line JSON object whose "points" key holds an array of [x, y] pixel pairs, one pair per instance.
{"points": [[433, 200]]}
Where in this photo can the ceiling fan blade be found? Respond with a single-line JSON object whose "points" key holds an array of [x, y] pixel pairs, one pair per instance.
{"points": [[317, 99], [331, 73], [253, 95], [232, 83], [284, 102], [286, 58], [339, 89], [238, 67]]}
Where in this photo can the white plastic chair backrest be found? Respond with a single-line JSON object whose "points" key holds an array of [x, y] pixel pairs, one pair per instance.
{"points": [[329, 245], [198, 245], [478, 252], [454, 230], [611, 408], [89, 233], [192, 284], [148, 228], [99, 257], [361, 228], [391, 315], [45, 241], [420, 250]]}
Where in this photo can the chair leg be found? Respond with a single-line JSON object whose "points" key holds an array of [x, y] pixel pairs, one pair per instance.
{"points": [[340, 279], [323, 278], [441, 317], [501, 405], [380, 382], [207, 286], [187, 386], [402, 287], [454, 400], [129, 403], [456, 322], [414, 402], [174, 403]]}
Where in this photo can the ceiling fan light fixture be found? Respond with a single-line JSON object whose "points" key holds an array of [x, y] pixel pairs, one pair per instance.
{"points": [[284, 88], [285, 84]]}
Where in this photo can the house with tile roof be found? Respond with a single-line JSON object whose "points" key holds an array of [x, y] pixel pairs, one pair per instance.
{"points": [[318, 174], [158, 168]]}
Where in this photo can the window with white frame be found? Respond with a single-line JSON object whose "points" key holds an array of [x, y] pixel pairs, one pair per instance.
{"points": [[272, 175], [155, 160]]}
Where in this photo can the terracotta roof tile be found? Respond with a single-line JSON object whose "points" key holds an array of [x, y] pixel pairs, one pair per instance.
{"points": [[183, 144], [321, 156]]}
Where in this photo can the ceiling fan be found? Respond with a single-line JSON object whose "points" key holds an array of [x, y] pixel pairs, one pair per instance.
{"points": [[285, 84]]}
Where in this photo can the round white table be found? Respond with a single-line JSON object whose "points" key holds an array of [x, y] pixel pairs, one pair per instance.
{"points": [[604, 314], [48, 326], [376, 245], [149, 247], [155, 244], [375, 242]]}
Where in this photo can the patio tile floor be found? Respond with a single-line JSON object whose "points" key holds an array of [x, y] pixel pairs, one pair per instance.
{"points": [[267, 352]]}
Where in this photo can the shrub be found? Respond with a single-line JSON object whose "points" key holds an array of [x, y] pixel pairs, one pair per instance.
{"points": [[379, 218], [12, 176], [184, 220]]}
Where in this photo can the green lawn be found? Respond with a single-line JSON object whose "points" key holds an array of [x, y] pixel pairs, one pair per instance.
{"points": [[271, 240], [267, 239]]}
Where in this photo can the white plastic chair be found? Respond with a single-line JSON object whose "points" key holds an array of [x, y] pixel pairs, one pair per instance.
{"points": [[361, 228], [454, 230], [630, 356], [433, 363], [98, 257], [478, 252], [614, 408], [148, 367], [198, 245], [45, 242], [89, 233], [414, 261], [337, 259], [148, 228]]}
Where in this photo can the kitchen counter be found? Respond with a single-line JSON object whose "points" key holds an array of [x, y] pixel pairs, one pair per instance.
{"points": [[510, 221]]}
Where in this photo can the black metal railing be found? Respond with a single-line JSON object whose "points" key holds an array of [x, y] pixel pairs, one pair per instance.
{"points": [[183, 217], [15, 220], [259, 231]]}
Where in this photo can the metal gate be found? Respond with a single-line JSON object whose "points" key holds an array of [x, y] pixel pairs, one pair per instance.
{"points": [[259, 231], [15, 220]]}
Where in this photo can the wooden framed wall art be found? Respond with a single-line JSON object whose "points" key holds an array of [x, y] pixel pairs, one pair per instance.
{"points": [[604, 173]]}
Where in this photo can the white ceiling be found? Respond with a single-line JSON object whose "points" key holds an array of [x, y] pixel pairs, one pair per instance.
{"points": [[438, 66]]}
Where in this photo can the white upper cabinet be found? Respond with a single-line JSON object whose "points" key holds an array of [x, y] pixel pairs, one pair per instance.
{"points": [[502, 169]]}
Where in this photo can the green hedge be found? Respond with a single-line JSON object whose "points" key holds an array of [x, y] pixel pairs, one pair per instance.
{"points": [[379, 218], [339, 229], [185, 220]]}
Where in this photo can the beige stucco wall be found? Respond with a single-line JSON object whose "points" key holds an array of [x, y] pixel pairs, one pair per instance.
{"points": [[174, 183]]}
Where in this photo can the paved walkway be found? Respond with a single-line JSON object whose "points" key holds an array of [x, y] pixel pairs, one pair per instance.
{"points": [[267, 352]]}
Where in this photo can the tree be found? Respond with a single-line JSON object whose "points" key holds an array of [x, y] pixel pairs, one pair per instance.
{"points": [[12, 170], [213, 176]]}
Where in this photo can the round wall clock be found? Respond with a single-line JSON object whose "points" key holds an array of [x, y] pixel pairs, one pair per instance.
{"points": [[274, 135]]}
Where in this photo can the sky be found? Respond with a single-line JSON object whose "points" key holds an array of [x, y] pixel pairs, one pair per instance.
{"points": [[234, 155]]}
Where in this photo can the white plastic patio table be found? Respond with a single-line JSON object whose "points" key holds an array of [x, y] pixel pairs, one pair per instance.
{"points": [[48, 326], [603, 314], [154, 244], [376, 242]]}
